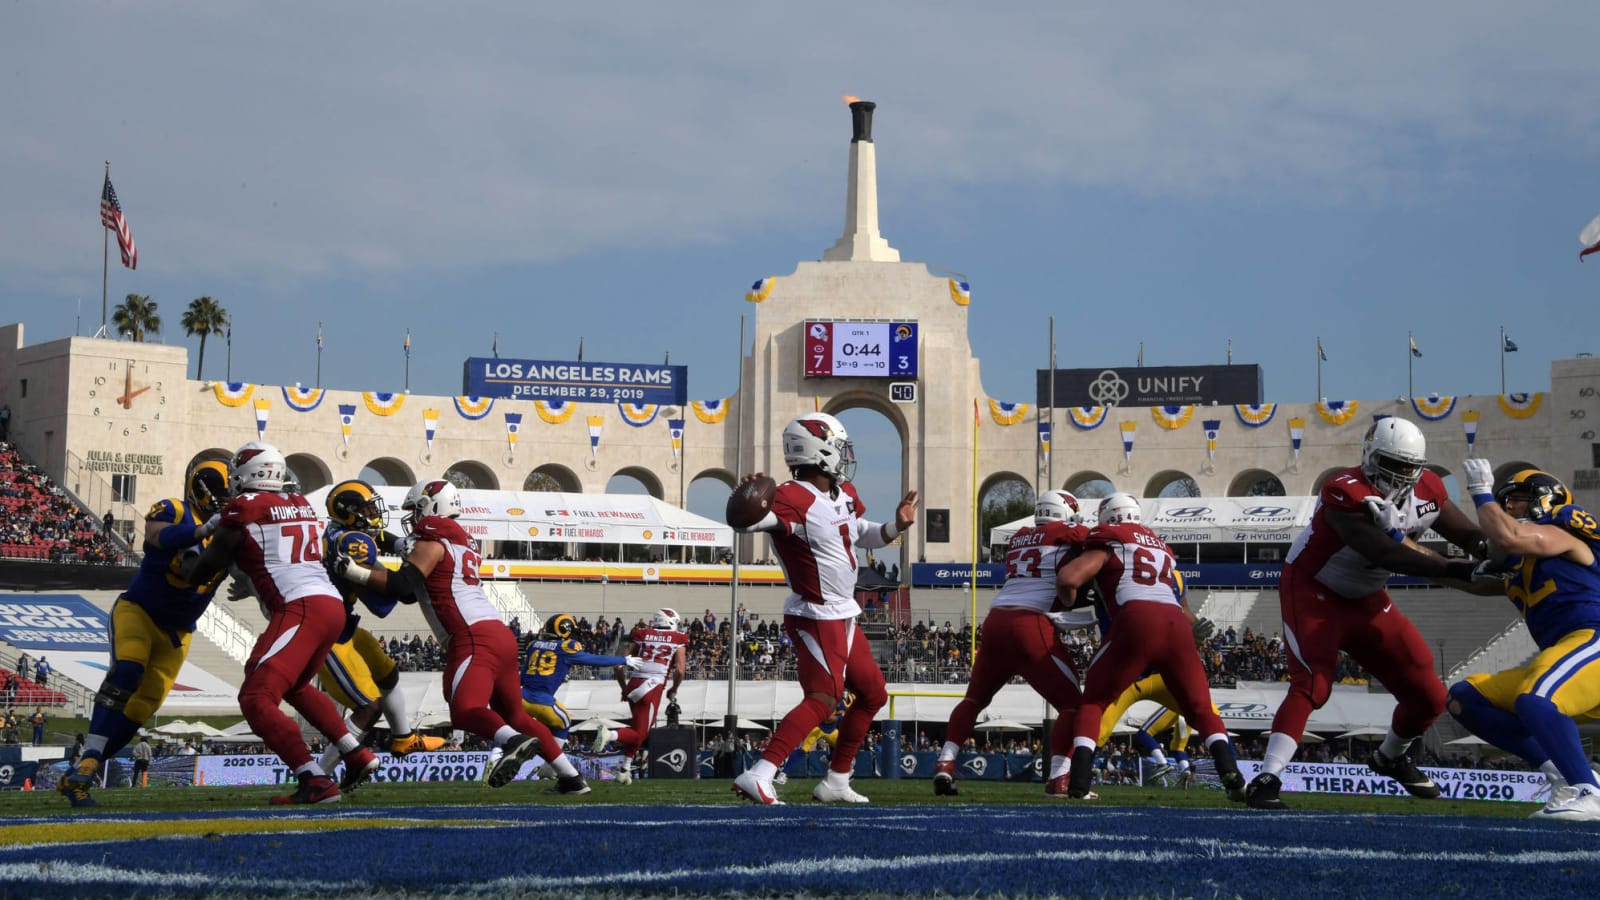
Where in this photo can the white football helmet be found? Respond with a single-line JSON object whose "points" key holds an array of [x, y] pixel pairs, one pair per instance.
{"points": [[1120, 507], [431, 498], [1393, 455], [1056, 506], [818, 439], [258, 467], [666, 619]]}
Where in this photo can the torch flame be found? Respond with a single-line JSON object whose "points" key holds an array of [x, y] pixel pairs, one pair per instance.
{"points": [[851, 98]]}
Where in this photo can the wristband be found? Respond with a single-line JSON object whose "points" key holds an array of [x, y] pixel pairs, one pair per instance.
{"points": [[1396, 535], [890, 532], [1482, 499], [357, 574]]}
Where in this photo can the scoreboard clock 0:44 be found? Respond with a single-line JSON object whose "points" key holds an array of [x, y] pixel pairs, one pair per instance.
{"points": [[861, 349]]}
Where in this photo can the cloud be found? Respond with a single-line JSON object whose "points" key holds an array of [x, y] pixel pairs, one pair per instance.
{"points": [[389, 137]]}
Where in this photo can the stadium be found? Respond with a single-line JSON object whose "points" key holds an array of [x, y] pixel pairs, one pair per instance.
{"points": [[101, 428]]}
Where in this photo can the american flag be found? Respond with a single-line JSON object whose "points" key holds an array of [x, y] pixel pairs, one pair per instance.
{"points": [[111, 217]]}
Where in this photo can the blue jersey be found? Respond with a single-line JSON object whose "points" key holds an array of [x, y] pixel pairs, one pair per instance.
{"points": [[1555, 595], [159, 587], [363, 548], [546, 660]]}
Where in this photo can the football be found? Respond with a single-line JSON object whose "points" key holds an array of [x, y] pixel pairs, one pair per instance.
{"points": [[750, 501]]}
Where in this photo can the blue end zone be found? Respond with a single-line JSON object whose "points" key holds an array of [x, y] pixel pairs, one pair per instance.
{"points": [[496, 850]]}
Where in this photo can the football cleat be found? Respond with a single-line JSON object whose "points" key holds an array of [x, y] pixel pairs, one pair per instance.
{"points": [[1186, 779], [1403, 770], [517, 751], [827, 793], [1262, 792], [359, 765], [315, 789], [1233, 783], [625, 774], [1159, 772], [413, 742], [748, 786], [75, 785], [944, 778], [1060, 787], [1581, 804], [569, 784], [781, 778], [602, 737]]}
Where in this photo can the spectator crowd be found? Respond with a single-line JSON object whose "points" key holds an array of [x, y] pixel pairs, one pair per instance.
{"points": [[38, 520]]}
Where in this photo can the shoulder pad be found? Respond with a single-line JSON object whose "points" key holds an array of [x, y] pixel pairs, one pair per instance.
{"points": [[571, 646], [1577, 520], [164, 511]]}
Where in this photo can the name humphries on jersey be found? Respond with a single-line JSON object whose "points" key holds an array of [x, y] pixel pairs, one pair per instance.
{"points": [[532, 379], [294, 513]]}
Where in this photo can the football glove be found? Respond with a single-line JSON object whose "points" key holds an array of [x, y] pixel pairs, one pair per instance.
{"points": [[1478, 475], [348, 569], [1385, 516], [240, 588], [208, 527], [634, 662], [1204, 629]]}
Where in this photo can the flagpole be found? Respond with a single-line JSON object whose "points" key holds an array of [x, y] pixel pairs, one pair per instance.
{"points": [[1050, 455], [1503, 359], [973, 617], [408, 360], [105, 250], [731, 720], [1410, 365], [229, 375], [319, 355], [1319, 367]]}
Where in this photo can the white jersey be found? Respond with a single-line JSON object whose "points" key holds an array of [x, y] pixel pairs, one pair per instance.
{"points": [[1032, 558], [456, 600], [282, 550], [816, 546]]}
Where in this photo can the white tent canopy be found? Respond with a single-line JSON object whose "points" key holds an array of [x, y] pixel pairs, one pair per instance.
{"points": [[1206, 519], [564, 518]]}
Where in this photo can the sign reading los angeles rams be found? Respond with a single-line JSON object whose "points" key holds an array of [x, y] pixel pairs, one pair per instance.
{"points": [[593, 382], [1152, 386]]}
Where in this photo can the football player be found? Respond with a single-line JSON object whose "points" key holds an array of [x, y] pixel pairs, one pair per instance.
{"points": [[152, 622], [659, 650], [1150, 628], [273, 534], [359, 674], [816, 521], [1019, 638], [1334, 598], [827, 732], [480, 672], [545, 662], [1552, 549]]}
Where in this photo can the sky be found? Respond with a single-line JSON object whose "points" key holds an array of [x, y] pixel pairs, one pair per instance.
{"points": [[1172, 175]]}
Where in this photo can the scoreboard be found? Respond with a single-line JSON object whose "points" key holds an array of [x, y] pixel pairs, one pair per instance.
{"points": [[861, 349]]}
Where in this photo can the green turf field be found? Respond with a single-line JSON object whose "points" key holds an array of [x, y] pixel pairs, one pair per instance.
{"points": [[672, 792]]}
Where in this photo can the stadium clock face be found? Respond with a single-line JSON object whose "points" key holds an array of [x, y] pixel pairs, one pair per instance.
{"points": [[124, 396]]}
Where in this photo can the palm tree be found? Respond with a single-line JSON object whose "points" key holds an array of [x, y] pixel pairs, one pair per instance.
{"points": [[136, 317], [204, 316]]}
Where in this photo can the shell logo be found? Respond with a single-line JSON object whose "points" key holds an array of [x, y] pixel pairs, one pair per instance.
{"points": [[515, 511], [648, 534], [533, 531]]}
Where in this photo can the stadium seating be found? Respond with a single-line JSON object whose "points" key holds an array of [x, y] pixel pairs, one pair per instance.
{"points": [[38, 521]]}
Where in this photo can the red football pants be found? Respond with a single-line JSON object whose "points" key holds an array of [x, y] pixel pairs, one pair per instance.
{"points": [[282, 666], [1318, 623], [831, 656], [1147, 636], [1019, 641], [482, 682]]}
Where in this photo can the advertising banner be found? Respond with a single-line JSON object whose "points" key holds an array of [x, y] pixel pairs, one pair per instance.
{"points": [[578, 381], [57, 622], [1456, 784], [1151, 386]]}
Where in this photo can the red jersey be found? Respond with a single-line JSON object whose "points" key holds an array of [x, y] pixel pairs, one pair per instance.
{"points": [[455, 594], [656, 646], [1320, 551], [282, 549], [1032, 558], [816, 547], [1139, 567]]}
